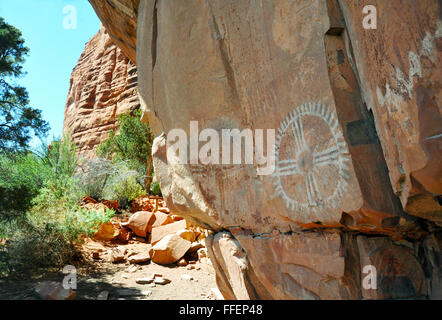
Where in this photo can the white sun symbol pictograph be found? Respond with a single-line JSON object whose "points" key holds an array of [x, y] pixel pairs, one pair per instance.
{"points": [[312, 166]]}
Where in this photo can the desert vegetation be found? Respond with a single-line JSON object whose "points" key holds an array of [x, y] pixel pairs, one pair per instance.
{"points": [[41, 216]]}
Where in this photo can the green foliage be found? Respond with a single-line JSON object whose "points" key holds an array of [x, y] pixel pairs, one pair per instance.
{"points": [[21, 178], [40, 215], [132, 144], [17, 119], [155, 189], [47, 240], [123, 185]]}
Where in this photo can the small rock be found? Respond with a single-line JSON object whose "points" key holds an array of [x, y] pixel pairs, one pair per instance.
{"points": [[107, 231], [195, 247], [186, 277], [190, 267], [182, 263], [144, 280], [96, 255], [202, 253], [154, 275], [146, 293], [139, 258], [170, 249], [132, 269], [127, 293], [161, 280], [117, 255]]}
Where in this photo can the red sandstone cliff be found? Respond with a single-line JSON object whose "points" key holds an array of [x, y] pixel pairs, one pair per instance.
{"points": [[103, 85]]}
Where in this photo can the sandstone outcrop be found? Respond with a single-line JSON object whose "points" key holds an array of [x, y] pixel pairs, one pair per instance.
{"points": [[103, 85], [120, 19], [357, 119]]}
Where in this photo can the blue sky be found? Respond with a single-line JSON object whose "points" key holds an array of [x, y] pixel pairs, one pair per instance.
{"points": [[54, 50]]}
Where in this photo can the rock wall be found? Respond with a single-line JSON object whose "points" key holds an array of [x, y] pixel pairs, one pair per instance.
{"points": [[103, 85], [357, 114]]}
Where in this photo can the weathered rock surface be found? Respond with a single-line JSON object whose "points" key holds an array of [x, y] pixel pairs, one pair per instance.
{"points": [[169, 249], [357, 119], [120, 19], [103, 85], [159, 233]]}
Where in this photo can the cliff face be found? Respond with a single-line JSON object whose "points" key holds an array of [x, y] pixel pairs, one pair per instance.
{"points": [[357, 117], [103, 85]]}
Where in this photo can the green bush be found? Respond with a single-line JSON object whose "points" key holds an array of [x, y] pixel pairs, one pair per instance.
{"points": [[132, 143], [47, 238], [123, 185], [155, 189], [21, 178], [94, 175]]}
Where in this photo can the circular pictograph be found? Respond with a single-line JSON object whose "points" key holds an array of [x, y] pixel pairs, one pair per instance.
{"points": [[312, 160]]}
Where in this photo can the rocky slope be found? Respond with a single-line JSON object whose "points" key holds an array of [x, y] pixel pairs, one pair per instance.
{"points": [[103, 85], [357, 115]]}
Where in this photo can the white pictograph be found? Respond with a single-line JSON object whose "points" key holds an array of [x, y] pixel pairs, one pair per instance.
{"points": [[312, 169]]}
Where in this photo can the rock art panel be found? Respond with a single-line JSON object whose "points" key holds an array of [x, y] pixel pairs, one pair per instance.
{"points": [[357, 176]]}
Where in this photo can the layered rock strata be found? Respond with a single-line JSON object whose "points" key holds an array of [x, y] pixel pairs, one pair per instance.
{"points": [[356, 190], [103, 85]]}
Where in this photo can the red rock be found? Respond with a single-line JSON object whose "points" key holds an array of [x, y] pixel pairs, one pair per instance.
{"points": [[169, 249], [88, 199], [111, 204], [159, 233], [117, 255], [107, 231], [182, 263], [140, 222], [142, 204], [124, 235], [139, 258], [103, 85], [362, 134]]}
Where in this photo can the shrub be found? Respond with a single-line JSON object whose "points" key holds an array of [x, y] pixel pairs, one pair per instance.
{"points": [[94, 175], [47, 238], [155, 189], [123, 185], [132, 144], [21, 177]]}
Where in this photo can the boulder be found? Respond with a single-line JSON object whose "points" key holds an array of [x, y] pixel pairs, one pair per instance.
{"points": [[169, 249], [107, 231], [159, 233], [141, 222]]}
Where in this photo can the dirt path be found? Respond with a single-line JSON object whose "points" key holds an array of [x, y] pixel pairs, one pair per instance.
{"points": [[119, 279]]}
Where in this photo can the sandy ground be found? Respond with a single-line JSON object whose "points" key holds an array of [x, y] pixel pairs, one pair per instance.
{"points": [[119, 279]]}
